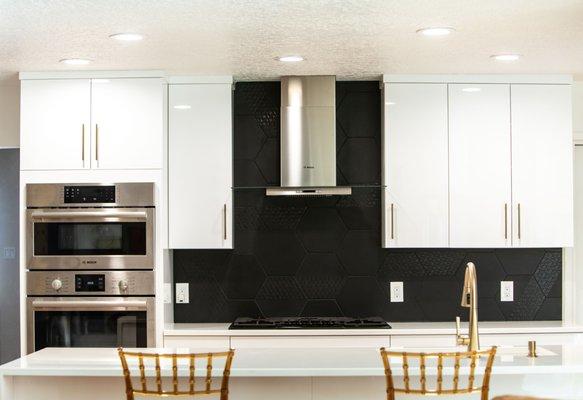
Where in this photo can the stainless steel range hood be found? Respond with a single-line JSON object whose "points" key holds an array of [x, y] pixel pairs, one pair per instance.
{"points": [[308, 137]]}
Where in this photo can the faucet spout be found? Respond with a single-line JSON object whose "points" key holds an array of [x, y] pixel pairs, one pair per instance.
{"points": [[470, 300]]}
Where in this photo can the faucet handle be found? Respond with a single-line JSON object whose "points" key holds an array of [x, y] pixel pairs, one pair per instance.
{"points": [[460, 339]]}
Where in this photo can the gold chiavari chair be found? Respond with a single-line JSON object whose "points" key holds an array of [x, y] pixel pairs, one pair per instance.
{"points": [[222, 391], [457, 387]]}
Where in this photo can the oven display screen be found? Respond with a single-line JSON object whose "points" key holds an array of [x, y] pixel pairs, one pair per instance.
{"points": [[89, 194], [90, 283]]}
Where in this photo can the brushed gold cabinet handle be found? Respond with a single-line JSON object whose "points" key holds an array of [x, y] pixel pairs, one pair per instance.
{"points": [[505, 220], [224, 221], [96, 142], [519, 220], [392, 223], [83, 143]]}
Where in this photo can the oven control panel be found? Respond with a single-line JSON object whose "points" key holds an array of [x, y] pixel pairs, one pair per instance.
{"points": [[90, 283], [89, 194]]}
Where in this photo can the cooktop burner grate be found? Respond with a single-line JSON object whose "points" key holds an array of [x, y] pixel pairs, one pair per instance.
{"points": [[310, 323]]}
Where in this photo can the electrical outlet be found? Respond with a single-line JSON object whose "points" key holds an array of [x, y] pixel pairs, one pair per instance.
{"points": [[397, 292], [506, 290], [9, 253], [167, 293], [182, 293]]}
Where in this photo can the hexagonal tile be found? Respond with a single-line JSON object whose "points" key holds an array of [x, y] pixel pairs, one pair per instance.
{"points": [[361, 253], [246, 173], [248, 137], [488, 269], [206, 298], [321, 308], [550, 310], [320, 276], [280, 253], [361, 297], [282, 216], [521, 262], [242, 308], [549, 271], [441, 262], [359, 113], [191, 265], [361, 210], [247, 219], [321, 230], [268, 161], [407, 311], [280, 296], [243, 277], [526, 307], [359, 161], [443, 310], [340, 137], [399, 265]]}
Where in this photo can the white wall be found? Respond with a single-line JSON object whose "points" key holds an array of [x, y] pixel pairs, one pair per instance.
{"points": [[9, 114], [577, 271]]}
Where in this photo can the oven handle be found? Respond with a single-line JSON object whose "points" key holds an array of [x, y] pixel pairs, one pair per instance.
{"points": [[90, 214], [81, 304]]}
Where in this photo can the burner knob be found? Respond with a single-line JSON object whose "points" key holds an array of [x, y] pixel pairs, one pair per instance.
{"points": [[57, 284], [123, 286]]}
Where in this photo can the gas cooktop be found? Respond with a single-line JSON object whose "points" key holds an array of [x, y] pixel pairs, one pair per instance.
{"points": [[310, 323]]}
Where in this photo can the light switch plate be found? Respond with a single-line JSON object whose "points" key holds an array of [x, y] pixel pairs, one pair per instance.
{"points": [[167, 293], [9, 253], [397, 292], [182, 293], [506, 290]]}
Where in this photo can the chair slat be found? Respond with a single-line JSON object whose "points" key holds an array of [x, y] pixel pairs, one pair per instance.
{"points": [[209, 370], [174, 374], [406, 372], [422, 370], [472, 370], [158, 375], [142, 372], [456, 373], [439, 373], [191, 376]]}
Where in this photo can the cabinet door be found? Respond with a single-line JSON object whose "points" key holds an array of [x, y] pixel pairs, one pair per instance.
{"points": [[542, 165], [54, 124], [127, 118], [200, 166], [479, 170], [415, 165]]}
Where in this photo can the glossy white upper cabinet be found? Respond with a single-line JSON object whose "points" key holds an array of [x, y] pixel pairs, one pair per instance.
{"points": [[200, 166], [55, 124], [415, 165], [479, 165], [542, 165], [127, 123]]}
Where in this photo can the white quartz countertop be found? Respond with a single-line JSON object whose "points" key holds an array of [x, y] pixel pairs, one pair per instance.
{"points": [[283, 362], [398, 328]]}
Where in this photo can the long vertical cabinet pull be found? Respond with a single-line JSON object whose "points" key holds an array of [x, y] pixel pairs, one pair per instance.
{"points": [[505, 220], [519, 230], [97, 144], [224, 221], [392, 222], [83, 144]]}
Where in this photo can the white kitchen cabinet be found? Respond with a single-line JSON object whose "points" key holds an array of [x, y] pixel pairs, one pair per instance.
{"points": [[542, 166], [127, 118], [479, 165], [200, 166], [415, 165], [69, 124], [55, 124]]}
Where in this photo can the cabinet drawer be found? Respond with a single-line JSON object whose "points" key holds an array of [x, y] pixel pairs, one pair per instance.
{"points": [[254, 342], [197, 343]]}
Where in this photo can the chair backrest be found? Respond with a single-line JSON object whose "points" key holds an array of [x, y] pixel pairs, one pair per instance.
{"points": [[189, 362], [423, 360]]}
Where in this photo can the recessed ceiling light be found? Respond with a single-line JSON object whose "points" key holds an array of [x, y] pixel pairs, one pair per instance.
{"points": [[436, 31], [472, 89], [505, 57], [127, 37], [75, 61], [182, 107], [290, 58]]}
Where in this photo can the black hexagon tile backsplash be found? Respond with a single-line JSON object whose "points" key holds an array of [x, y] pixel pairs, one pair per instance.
{"points": [[322, 256]]}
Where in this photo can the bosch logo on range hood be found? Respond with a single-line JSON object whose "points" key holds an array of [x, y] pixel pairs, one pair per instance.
{"points": [[308, 137]]}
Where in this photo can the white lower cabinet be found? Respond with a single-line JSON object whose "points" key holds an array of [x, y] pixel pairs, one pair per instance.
{"points": [[276, 342], [200, 166], [197, 343]]}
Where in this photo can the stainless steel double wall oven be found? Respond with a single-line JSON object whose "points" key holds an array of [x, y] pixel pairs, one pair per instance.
{"points": [[90, 260]]}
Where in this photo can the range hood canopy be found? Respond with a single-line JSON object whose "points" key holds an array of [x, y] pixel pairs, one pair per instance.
{"points": [[308, 137]]}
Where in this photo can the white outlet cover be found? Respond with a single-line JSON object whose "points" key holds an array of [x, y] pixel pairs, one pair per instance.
{"points": [[9, 253], [506, 290], [397, 292], [182, 293]]}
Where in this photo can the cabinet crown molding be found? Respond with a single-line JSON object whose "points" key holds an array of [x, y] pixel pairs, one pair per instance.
{"points": [[555, 79], [91, 74]]}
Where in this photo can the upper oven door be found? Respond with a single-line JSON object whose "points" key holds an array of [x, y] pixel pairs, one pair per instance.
{"points": [[90, 238]]}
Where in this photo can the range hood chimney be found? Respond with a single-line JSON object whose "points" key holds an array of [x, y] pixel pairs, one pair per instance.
{"points": [[308, 137]]}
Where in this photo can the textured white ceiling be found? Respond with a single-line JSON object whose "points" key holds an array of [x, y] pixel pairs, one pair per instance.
{"points": [[348, 38]]}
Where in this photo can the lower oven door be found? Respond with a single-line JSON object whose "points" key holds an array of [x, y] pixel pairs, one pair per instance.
{"points": [[90, 322]]}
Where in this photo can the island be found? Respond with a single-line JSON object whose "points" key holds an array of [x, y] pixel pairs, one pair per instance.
{"points": [[288, 374]]}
